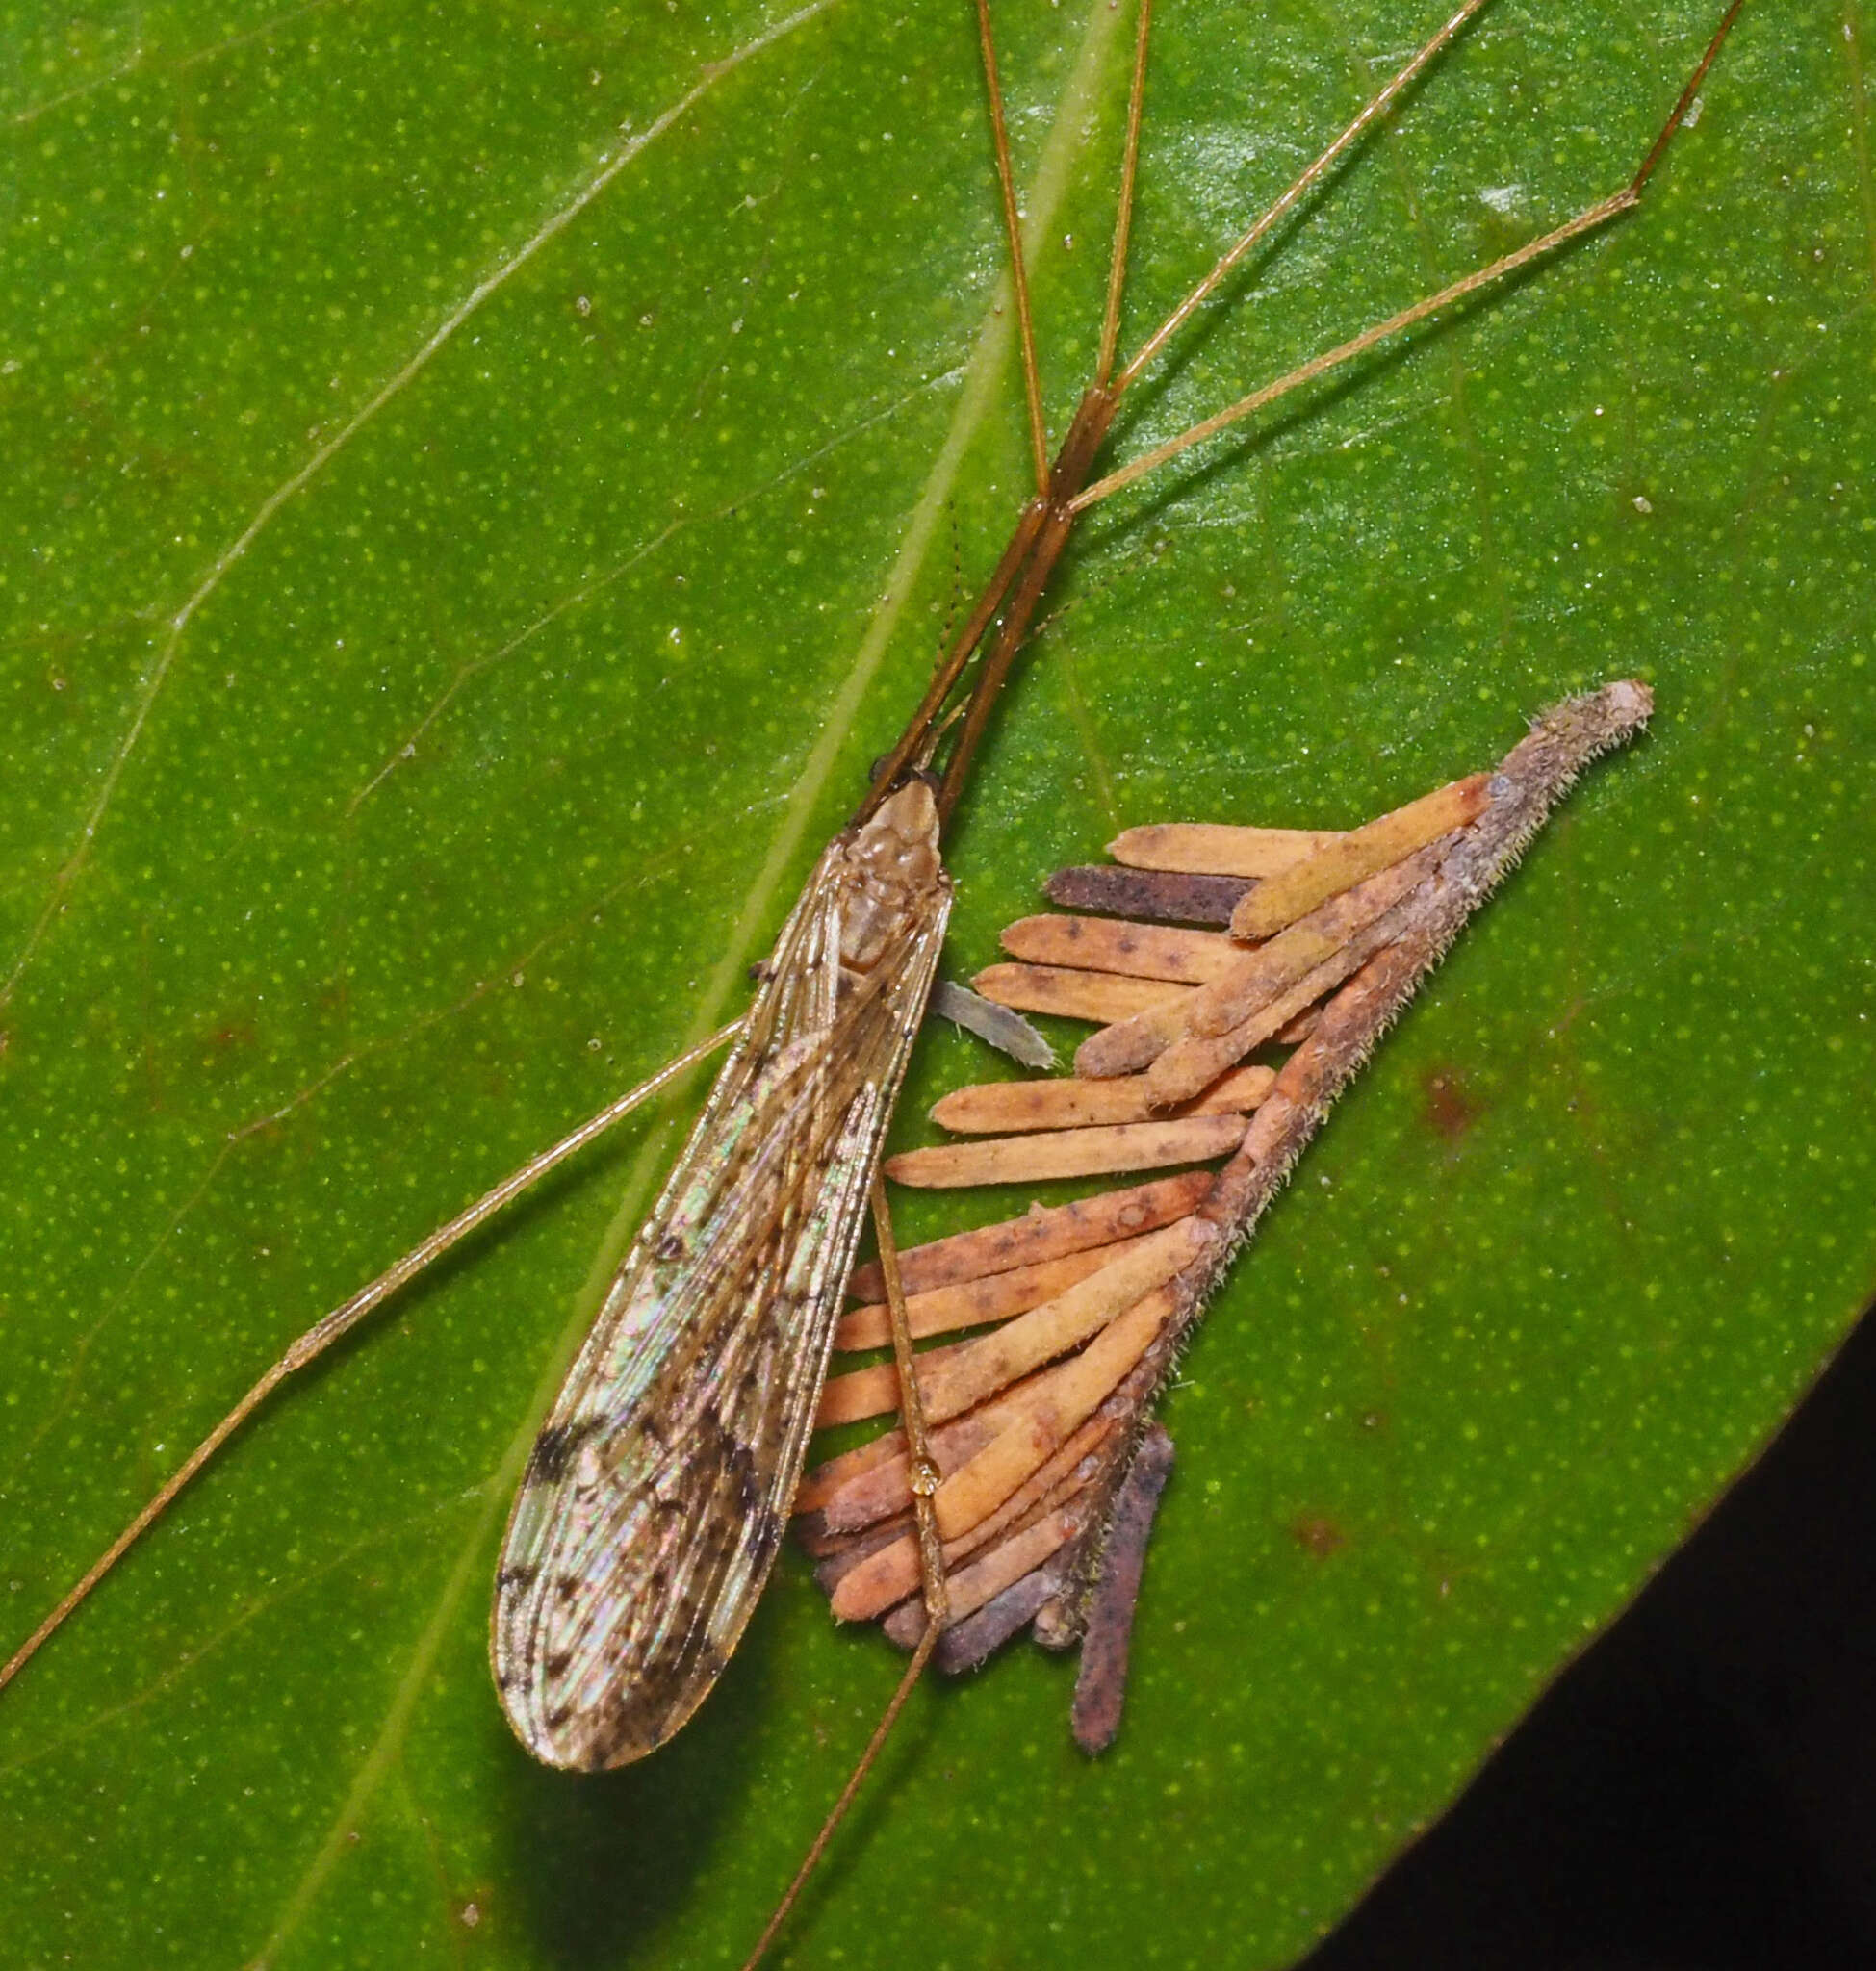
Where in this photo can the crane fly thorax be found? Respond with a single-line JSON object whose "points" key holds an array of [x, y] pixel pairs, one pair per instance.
{"points": [[891, 867]]}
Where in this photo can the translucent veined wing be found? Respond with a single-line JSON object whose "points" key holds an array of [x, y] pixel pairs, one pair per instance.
{"points": [[658, 1492]]}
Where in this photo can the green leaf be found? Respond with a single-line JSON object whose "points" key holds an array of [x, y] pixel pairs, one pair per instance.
{"points": [[481, 485]]}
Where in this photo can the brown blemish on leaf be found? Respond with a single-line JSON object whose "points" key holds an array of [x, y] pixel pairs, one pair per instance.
{"points": [[1449, 1109], [231, 1037], [1318, 1534]]}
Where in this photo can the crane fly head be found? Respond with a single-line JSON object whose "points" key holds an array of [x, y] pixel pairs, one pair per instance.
{"points": [[891, 872]]}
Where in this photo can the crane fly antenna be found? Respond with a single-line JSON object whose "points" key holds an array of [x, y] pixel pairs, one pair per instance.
{"points": [[905, 751]]}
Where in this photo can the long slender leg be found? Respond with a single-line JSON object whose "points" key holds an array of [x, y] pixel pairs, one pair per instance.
{"points": [[310, 1345], [857, 1779], [951, 665], [1371, 114], [1039, 443], [957, 655], [1585, 222], [1051, 537], [931, 1566], [1123, 216], [1038, 543], [925, 1475]]}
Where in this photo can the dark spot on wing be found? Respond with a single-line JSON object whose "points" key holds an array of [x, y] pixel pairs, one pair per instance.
{"points": [[519, 1578], [552, 1455], [558, 1665], [765, 1537], [669, 1249], [742, 1463]]}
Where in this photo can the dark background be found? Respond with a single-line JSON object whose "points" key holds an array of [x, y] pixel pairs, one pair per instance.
{"points": [[1699, 1789]]}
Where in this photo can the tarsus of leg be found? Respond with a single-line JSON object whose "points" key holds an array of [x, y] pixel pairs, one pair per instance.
{"points": [[310, 1345], [1039, 443], [1586, 221], [924, 1473], [1687, 100], [1372, 112], [830, 1827], [1116, 272]]}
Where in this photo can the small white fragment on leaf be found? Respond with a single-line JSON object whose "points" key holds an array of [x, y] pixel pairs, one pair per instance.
{"points": [[1009, 1032]]}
